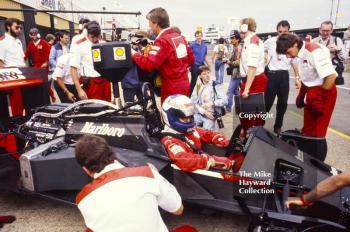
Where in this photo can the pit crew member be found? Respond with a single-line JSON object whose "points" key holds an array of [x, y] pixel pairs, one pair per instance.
{"points": [[170, 54], [323, 189], [97, 87], [251, 67], [318, 77], [11, 50], [63, 84], [121, 198], [278, 67], [183, 141]]}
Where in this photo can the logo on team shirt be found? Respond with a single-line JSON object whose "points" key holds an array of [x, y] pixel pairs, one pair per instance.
{"points": [[180, 47], [104, 129]]}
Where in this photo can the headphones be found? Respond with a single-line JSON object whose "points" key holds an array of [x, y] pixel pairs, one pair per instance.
{"points": [[244, 28]]}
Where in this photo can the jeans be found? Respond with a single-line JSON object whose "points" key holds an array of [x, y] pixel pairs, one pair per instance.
{"points": [[204, 122], [219, 71], [194, 76], [233, 89]]}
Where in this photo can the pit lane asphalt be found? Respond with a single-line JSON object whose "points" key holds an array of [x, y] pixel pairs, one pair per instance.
{"points": [[37, 214]]}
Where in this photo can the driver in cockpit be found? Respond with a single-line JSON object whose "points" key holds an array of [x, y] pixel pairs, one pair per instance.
{"points": [[183, 141]]}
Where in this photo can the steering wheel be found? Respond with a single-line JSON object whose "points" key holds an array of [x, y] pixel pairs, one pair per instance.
{"points": [[233, 141]]}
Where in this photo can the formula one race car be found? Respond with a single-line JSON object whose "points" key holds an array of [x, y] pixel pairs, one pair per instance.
{"points": [[272, 169]]}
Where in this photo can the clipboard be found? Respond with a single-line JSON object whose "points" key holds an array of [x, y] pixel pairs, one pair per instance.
{"points": [[254, 103]]}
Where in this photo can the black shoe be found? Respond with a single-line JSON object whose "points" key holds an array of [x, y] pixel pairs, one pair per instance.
{"points": [[277, 131]]}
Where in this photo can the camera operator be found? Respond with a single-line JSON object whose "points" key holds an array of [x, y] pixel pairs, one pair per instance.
{"points": [[122, 198], [208, 99], [170, 54], [131, 83]]}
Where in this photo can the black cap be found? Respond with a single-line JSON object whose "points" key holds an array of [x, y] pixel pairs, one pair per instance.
{"points": [[234, 34]]}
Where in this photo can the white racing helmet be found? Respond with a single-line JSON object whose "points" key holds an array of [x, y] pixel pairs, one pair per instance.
{"points": [[175, 107]]}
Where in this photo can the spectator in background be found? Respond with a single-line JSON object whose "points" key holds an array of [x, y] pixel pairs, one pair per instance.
{"points": [[11, 50], [233, 62], [220, 56], [176, 29], [335, 46], [38, 49], [205, 96], [346, 35], [50, 39], [59, 49], [333, 43], [133, 194], [200, 51]]}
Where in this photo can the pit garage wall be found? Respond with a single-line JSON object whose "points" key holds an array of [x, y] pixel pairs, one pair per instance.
{"points": [[47, 23]]}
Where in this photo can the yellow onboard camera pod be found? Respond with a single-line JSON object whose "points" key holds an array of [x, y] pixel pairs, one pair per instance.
{"points": [[112, 59]]}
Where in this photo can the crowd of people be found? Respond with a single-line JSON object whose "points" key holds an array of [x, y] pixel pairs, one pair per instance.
{"points": [[189, 107]]}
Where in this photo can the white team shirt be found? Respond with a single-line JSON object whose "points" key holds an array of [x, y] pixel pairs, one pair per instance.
{"points": [[75, 39], [62, 70], [252, 55], [11, 51], [276, 61], [81, 57], [314, 64], [129, 203]]}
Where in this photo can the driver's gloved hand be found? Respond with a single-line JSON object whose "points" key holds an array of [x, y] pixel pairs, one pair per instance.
{"points": [[238, 159], [221, 162], [299, 101]]}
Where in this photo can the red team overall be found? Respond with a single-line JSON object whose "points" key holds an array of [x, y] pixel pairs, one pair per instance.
{"points": [[170, 54], [318, 76], [183, 141]]}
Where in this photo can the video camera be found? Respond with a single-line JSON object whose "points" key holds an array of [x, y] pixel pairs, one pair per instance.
{"points": [[139, 40]]}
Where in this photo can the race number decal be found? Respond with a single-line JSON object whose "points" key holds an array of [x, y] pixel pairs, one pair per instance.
{"points": [[11, 74]]}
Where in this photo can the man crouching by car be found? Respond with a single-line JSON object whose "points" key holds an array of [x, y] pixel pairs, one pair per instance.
{"points": [[121, 198]]}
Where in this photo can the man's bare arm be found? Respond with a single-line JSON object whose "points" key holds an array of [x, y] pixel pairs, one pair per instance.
{"points": [[2, 64], [250, 78], [323, 189], [75, 78], [329, 81]]}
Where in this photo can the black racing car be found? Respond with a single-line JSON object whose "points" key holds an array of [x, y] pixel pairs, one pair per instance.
{"points": [[272, 170]]}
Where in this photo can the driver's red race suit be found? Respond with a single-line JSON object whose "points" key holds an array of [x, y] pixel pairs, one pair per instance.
{"points": [[172, 56], [183, 156]]}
